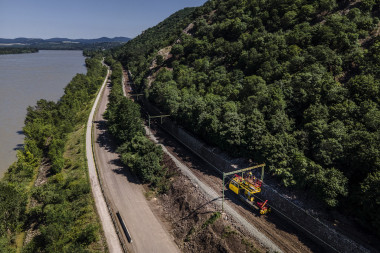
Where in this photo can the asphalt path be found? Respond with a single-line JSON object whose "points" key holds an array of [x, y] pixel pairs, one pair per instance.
{"points": [[105, 218], [126, 193]]}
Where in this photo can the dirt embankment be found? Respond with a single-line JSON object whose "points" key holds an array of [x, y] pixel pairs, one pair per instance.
{"points": [[195, 222], [276, 229]]}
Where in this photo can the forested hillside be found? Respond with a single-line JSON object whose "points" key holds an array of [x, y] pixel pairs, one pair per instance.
{"points": [[146, 44], [293, 83]]}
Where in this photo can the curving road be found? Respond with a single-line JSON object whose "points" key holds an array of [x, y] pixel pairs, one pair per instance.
{"points": [[126, 193], [105, 218]]}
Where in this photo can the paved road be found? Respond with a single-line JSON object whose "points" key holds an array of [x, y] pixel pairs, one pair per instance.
{"points": [[105, 218], [126, 193]]}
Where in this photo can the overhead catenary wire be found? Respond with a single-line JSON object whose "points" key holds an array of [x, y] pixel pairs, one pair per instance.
{"points": [[272, 189], [288, 218], [296, 206], [291, 220]]}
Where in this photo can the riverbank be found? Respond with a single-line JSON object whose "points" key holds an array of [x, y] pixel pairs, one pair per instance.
{"points": [[46, 192], [26, 78]]}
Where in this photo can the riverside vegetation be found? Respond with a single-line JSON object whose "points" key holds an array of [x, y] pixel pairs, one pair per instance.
{"points": [[61, 209], [292, 83]]}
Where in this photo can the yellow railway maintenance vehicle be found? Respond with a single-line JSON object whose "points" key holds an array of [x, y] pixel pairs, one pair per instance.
{"points": [[246, 187]]}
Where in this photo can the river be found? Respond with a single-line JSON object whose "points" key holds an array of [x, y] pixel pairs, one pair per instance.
{"points": [[24, 79]]}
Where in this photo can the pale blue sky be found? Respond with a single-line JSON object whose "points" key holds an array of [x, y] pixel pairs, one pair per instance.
{"points": [[84, 18]]}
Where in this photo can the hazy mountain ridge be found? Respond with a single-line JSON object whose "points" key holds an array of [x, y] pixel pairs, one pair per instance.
{"points": [[31, 41]]}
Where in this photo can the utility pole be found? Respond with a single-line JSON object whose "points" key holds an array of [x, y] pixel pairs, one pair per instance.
{"points": [[158, 116], [223, 194], [136, 95]]}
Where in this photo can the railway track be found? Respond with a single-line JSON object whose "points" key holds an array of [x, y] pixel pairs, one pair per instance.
{"points": [[287, 238]]}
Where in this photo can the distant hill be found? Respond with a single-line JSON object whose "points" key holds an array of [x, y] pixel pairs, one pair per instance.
{"points": [[31, 41], [64, 43]]}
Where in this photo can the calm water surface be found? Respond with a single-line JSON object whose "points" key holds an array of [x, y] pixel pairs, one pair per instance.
{"points": [[24, 79]]}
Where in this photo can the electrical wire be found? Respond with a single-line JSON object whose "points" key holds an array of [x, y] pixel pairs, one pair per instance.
{"points": [[291, 220], [278, 211]]}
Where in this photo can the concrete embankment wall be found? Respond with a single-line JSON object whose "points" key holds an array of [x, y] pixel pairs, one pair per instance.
{"points": [[320, 233]]}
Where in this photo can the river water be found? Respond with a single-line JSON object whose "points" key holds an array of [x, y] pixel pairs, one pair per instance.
{"points": [[24, 79]]}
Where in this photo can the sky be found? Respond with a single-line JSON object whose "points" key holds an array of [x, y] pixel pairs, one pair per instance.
{"points": [[87, 19]]}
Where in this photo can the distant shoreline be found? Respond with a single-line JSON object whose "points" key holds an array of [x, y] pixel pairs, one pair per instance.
{"points": [[17, 50], [63, 43]]}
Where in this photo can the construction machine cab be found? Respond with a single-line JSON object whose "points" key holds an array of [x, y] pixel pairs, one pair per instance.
{"points": [[246, 187]]}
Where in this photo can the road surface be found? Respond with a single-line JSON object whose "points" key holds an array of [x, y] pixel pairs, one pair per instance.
{"points": [[126, 192], [105, 218]]}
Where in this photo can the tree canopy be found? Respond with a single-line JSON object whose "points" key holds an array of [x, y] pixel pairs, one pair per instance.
{"points": [[292, 83]]}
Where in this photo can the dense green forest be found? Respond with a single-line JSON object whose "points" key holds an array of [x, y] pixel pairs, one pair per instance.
{"points": [[294, 84], [17, 50], [62, 208]]}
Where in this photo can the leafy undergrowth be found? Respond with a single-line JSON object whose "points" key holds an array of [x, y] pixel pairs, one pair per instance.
{"points": [[66, 215], [46, 204]]}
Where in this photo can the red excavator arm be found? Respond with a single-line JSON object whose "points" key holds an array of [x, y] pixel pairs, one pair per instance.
{"points": [[263, 207]]}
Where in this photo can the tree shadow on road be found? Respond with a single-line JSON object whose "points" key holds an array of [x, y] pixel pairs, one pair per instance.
{"points": [[125, 171], [19, 147], [104, 139]]}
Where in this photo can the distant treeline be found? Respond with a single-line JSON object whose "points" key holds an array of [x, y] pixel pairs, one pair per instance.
{"points": [[96, 46], [76, 46], [17, 50]]}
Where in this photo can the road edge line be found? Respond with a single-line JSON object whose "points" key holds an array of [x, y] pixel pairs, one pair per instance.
{"points": [[112, 239]]}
